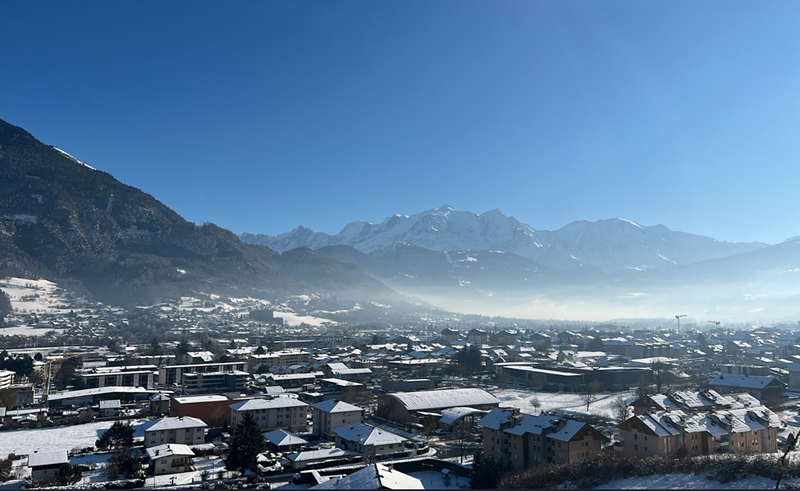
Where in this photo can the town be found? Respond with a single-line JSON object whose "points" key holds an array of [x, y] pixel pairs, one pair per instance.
{"points": [[239, 393]]}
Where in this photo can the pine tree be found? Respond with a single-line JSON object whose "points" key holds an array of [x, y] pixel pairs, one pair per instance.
{"points": [[5, 306], [119, 435], [246, 443]]}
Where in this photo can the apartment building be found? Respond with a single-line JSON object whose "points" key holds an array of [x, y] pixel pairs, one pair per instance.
{"points": [[527, 440], [332, 414], [285, 413], [173, 374], [183, 430]]}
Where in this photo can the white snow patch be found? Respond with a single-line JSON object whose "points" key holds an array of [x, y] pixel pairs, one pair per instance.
{"points": [[631, 222], [666, 258], [73, 158]]}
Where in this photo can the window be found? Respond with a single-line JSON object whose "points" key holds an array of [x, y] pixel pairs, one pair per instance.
{"points": [[635, 436], [636, 447]]}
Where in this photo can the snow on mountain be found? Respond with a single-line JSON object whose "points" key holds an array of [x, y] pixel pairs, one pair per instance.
{"points": [[610, 245], [73, 158]]}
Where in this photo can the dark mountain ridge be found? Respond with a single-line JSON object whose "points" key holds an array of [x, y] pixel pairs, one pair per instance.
{"points": [[63, 219]]}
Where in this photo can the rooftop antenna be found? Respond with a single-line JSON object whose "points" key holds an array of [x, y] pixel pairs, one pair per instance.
{"points": [[679, 321]]}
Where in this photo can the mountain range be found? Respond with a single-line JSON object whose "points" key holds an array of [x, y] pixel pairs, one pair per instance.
{"points": [[608, 245], [494, 263], [67, 221]]}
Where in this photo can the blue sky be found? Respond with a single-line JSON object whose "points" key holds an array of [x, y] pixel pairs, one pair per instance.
{"points": [[260, 116]]}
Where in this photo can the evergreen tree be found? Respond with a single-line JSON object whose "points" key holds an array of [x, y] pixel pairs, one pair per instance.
{"points": [[246, 443], [119, 435], [487, 471], [5, 306], [68, 474], [469, 359]]}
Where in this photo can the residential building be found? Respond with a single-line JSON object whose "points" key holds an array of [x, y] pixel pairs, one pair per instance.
{"points": [[214, 410], [184, 430], [44, 465], [170, 458], [124, 376], [232, 381], [271, 414], [369, 441], [6, 378], [173, 374], [332, 414], [527, 440]]}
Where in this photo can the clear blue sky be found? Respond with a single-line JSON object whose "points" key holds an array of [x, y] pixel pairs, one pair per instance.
{"points": [[263, 115]]}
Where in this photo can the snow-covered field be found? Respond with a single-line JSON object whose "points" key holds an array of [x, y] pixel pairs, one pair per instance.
{"points": [[549, 401], [23, 442], [33, 295], [292, 319]]}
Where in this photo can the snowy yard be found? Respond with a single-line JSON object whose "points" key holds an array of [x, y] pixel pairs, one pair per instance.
{"points": [[23, 442], [569, 401]]}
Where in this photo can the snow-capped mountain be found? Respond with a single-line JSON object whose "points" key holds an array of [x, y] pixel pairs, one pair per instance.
{"points": [[610, 245]]}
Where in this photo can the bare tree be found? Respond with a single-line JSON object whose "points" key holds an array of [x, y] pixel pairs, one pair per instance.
{"points": [[590, 393], [620, 408]]}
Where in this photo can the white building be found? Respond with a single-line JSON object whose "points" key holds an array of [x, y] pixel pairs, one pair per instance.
{"points": [[45, 464], [183, 430], [369, 441], [170, 458], [6, 378]]}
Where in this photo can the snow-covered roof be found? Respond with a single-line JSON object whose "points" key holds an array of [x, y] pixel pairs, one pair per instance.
{"points": [[568, 431], [496, 418], [663, 402], [74, 394], [324, 454], [168, 450], [199, 399], [451, 415], [375, 476], [743, 381], [174, 423], [703, 422], [47, 458], [110, 404], [440, 399], [277, 402], [283, 438], [368, 435], [334, 406]]}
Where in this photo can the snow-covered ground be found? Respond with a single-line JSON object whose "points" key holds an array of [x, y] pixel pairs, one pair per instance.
{"points": [[692, 481], [33, 295], [292, 319], [24, 442], [435, 480], [569, 401]]}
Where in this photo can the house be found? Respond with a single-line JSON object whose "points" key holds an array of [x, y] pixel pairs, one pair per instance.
{"points": [[300, 460], [526, 440], [375, 476], [170, 458], [369, 441], [109, 408], [182, 430], [655, 433], [284, 441], [271, 414], [332, 414], [159, 403], [44, 465]]}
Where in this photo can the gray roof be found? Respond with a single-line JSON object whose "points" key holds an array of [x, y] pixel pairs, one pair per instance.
{"points": [[168, 450], [277, 402], [47, 458], [375, 476], [334, 406], [442, 399], [744, 381], [368, 435], [282, 438], [174, 423]]}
